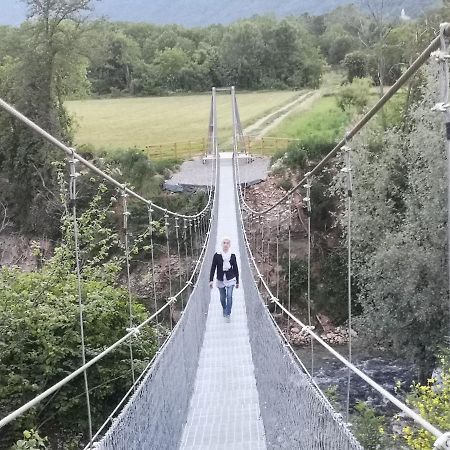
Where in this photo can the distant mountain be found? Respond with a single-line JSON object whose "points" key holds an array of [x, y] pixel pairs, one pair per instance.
{"points": [[204, 12]]}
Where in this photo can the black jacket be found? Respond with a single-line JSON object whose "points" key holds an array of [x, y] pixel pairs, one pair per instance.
{"points": [[217, 263]]}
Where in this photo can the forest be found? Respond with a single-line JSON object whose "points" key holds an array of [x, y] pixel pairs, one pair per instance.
{"points": [[59, 54]]}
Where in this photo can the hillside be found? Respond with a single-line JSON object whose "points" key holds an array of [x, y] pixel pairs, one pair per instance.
{"points": [[203, 12]]}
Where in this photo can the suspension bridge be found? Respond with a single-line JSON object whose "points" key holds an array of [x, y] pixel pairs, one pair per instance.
{"points": [[214, 384]]}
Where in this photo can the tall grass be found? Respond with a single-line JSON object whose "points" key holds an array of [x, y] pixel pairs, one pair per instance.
{"points": [[317, 130]]}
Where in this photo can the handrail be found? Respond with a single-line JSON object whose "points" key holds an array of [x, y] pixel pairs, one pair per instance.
{"points": [[305, 328], [18, 412]]}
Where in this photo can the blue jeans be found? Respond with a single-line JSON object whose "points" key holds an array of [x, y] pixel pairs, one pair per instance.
{"points": [[226, 298]]}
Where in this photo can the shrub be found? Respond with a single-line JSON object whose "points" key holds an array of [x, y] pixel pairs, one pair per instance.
{"points": [[370, 428], [39, 329], [356, 65], [432, 401], [354, 95], [286, 184]]}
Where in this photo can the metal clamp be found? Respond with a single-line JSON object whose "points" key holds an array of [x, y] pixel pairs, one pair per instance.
{"points": [[443, 442], [441, 107]]}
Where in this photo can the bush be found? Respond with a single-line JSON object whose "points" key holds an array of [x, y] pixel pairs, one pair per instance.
{"points": [[299, 278], [354, 95], [39, 329], [370, 428], [432, 401], [330, 287], [31, 441], [285, 184], [356, 65], [311, 148]]}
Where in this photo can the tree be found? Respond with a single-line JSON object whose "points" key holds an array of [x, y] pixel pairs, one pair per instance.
{"points": [[356, 65], [45, 55], [241, 51], [336, 42], [399, 236], [39, 329], [370, 428]]}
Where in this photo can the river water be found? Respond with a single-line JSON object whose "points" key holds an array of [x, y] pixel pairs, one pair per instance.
{"points": [[382, 367]]}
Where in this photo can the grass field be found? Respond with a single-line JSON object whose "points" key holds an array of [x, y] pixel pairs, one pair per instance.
{"points": [[324, 120], [139, 122]]}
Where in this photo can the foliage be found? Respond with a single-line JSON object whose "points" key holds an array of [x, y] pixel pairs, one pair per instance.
{"points": [[299, 277], [332, 395], [399, 223], [251, 54], [286, 184], [31, 441], [317, 131], [356, 65], [39, 325], [354, 95], [432, 401], [42, 62], [370, 428]]}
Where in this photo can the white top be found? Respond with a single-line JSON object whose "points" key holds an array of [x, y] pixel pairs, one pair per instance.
{"points": [[225, 282]]}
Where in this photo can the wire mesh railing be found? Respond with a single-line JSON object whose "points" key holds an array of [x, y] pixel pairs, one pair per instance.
{"points": [[255, 221]]}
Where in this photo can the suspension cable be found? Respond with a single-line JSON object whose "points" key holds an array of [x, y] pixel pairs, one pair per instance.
{"points": [[348, 171], [185, 242], [126, 215], [307, 201], [289, 202], [278, 257], [177, 234], [169, 269], [73, 199], [191, 239], [269, 229], [152, 265]]}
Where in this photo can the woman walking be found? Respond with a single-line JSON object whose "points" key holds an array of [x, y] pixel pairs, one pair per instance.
{"points": [[224, 261]]}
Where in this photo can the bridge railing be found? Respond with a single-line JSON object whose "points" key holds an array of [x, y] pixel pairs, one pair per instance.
{"points": [[202, 224], [267, 145], [177, 150], [256, 217]]}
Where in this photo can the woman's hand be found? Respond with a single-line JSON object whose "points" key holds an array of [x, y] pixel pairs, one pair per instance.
{"points": [[237, 286], [211, 284]]}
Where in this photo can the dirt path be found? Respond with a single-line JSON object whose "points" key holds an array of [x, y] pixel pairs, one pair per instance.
{"points": [[262, 126]]}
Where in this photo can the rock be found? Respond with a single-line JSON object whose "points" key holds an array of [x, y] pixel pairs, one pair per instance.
{"points": [[325, 322], [171, 187], [295, 330]]}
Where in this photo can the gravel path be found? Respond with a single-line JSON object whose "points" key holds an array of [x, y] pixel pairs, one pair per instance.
{"points": [[194, 173], [261, 127]]}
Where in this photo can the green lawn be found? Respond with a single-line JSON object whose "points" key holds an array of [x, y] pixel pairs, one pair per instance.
{"points": [[139, 122]]}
